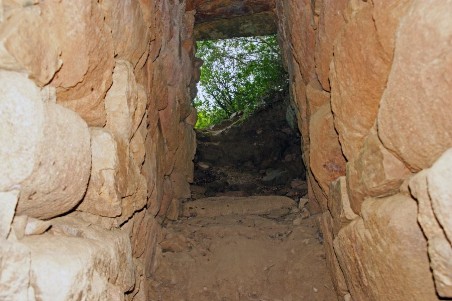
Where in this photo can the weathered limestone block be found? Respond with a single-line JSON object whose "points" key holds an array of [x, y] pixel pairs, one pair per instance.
{"points": [[375, 172], [129, 30], [384, 255], [180, 186], [46, 149], [14, 271], [326, 160], [35, 39], [297, 17], [316, 97], [339, 205], [414, 118], [354, 90], [8, 202], [186, 152], [432, 190], [121, 101], [21, 41], [167, 196], [102, 197], [86, 55], [331, 22], [318, 200], [169, 122], [331, 260], [97, 264]]}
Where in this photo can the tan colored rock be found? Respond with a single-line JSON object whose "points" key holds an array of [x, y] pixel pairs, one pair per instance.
{"points": [[316, 97], [129, 30], [173, 211], [21, 123], [355, 91], [318, 200], [102, 197], [186, 152], [97, 263], [301, 36], [169, 121], [339, 205], [375, 172], [19, 40], [166, 197], [8, 202], [439, 248], [331, 261], [86, 56], [47, 149], [331, 22], [181, 188], [15, 272], [384, 255], [430, 187], [326, 160], [414, 118], [121, 101]]}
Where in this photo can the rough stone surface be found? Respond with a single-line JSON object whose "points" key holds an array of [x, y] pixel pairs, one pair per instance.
{"points": [[326, 162], [331, 21], [431, 188], [102, 197], [385, 247], [14, 271], [8, 202], [97, 263], [332, 263], [51, 150], [375, 172], [339, 205], [414, 121], [355, 91]]}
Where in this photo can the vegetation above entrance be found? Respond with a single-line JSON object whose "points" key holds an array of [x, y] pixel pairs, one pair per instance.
{"points": [[236, 76]]}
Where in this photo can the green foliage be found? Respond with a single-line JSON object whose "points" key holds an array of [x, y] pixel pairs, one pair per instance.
{"points": [[236, 75]]}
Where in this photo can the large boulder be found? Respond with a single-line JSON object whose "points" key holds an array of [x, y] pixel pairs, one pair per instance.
{"points": [[384, 254], [46, 149], [433, 192], [413, 120]]}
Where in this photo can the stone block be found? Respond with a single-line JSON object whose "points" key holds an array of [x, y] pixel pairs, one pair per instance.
{"points": [[384, 254], [102, 197], [432, 190], [325, 160], [46, 149], [8, 203], [356, 92], [414, 120], [331, 21], [375, 172], [331, 261], [14, 272], [339, 205]]}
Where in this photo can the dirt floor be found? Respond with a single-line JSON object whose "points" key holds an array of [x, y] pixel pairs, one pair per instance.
{"points": [[276, 255], [248, 232]]}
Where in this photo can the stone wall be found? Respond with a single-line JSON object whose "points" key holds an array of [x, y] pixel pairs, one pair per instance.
{"points": [[371, 83], [97, 142]]}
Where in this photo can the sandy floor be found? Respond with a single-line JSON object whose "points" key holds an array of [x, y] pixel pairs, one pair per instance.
{"points": [[251, 257]]}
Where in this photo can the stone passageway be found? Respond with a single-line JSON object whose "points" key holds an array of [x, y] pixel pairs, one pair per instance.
{"points": [[100, 197], [247, 232]]}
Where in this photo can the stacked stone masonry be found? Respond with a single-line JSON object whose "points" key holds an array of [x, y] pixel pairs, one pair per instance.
{"points": [[96, 130], [97, 140], [371, 84]]}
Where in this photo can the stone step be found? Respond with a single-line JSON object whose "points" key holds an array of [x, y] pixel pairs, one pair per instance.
{"points": [[223, 205]]}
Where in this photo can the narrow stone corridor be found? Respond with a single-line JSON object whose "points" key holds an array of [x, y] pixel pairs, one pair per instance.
{"points": [[100, 197]]}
